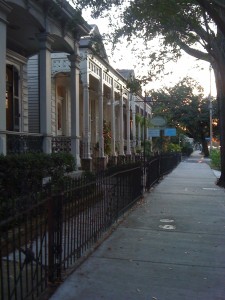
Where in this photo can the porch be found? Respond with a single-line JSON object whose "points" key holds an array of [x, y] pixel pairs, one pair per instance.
{"points": [[21, 142]]}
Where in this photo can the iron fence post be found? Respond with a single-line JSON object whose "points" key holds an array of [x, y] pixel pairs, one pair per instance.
{"points": [[55, 237]]}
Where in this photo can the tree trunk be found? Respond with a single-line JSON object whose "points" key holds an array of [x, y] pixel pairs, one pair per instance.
{"points": [[204, 143], [205, 149], [220, 84]]}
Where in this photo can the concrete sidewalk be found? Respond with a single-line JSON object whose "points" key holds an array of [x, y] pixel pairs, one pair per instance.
{"points": [[170, 247]]}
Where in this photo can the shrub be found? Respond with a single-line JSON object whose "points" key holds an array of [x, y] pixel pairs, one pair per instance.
{"points": [[215, 159], [171, 147], [187, 150], [22, 174], [148, 147]]}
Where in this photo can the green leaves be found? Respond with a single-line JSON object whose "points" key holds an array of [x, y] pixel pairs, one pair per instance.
{"points": [[178, 24], [184, 107]]}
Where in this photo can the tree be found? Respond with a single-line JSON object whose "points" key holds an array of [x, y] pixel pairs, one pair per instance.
{"points": [[185, 108], [195, 26]]}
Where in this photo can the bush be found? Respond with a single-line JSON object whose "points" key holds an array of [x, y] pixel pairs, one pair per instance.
{"points": [[215, 159], [148, 147], [171, 147], [187, 150], [23, 174]]}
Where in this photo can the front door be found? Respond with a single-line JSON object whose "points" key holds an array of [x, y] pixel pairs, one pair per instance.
{"points": [[12, 99]]}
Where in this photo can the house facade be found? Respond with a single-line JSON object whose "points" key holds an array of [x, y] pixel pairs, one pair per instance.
{"points": [[61, 92], [28, 29]]}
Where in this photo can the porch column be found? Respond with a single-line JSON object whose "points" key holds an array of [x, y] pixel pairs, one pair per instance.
{"points": [[86, 113], [113, 127], [134, 126], [75, 110], [128, 124], [45, 90], [139, 130], [146, 129], [121, 148], [100, 116], [4, 10]]}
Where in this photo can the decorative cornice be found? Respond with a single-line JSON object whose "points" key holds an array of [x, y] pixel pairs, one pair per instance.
{"points": [[13, 56]]}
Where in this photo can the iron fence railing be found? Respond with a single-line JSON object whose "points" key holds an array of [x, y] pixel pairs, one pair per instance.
{"points": [[157, 166], [168, 161], [18, 142], [43, 234], [24, 247], [46, 233]]}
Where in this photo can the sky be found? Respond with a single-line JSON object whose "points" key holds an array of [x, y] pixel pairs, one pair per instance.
{"points": [[124, 58]]}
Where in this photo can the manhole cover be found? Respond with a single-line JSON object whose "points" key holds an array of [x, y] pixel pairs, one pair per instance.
{"points": [[166, 221], [167, 227]]}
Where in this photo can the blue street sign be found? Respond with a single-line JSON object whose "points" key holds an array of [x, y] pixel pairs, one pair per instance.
{"points": [[170, 132]]}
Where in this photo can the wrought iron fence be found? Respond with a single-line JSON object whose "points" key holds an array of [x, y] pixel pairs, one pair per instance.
{"points": [[44, 234], [18, 143], [168, 161], [24, 247], [157, 166]]}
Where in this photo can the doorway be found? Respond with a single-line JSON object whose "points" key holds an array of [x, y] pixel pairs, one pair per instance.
{"points": [[12, 99]]}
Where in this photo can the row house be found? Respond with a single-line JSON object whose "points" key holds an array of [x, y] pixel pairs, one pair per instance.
{"points": [[61, 92], [106, 101], [29, 28]]}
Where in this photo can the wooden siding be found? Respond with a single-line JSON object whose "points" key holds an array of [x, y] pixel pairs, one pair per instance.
{"points": [[33, 94], [24, 107]]}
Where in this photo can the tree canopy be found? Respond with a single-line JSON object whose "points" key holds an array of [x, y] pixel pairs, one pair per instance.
{"points": [[186, 109]]}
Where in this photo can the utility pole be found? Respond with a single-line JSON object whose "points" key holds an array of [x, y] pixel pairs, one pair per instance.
{"points": [[144, 148]]}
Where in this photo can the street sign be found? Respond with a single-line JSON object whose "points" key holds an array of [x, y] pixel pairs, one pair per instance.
{"points": [[158, 121], [170, 132], [153, 132]]}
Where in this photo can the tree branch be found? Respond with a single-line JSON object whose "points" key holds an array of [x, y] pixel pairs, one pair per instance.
{"points": [[213, 13], [194, 52], [219, 4]]}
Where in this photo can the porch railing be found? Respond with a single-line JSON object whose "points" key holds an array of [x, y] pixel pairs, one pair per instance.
{"points": [[61, 144], [19, 142]]}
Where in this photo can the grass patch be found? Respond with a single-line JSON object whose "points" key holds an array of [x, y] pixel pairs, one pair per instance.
{"points": [[215, 159]]}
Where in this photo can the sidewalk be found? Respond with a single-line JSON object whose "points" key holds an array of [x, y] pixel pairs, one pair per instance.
{"points": [[170, 247]]}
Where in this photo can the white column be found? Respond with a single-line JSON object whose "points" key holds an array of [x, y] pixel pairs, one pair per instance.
{"points": [[4, 10], [113, 126], [139, 130], [100, 115], [128, 124], [45, 90], [146, 129], [86, 112], [75, 110], [134, 125], [121, 148]]}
